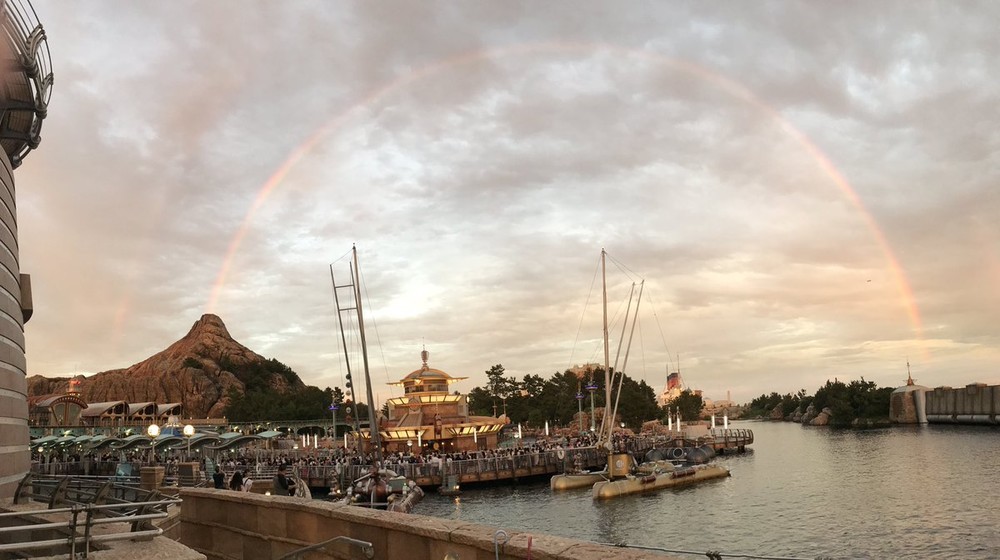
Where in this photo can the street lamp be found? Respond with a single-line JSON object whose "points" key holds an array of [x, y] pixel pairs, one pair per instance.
{"points": [[188, 433], [409, 446], [333, 410], [152, 431], [592, 387], [579, 409]]}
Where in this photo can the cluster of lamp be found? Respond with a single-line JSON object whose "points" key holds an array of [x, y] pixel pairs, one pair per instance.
{"points": [[153, 431]]}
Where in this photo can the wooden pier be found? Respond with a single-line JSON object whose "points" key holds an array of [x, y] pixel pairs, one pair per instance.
{"points": [[519, 466]]}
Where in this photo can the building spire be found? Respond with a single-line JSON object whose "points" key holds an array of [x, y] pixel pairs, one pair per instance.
{"points": [[424, 354], [909, 378]]}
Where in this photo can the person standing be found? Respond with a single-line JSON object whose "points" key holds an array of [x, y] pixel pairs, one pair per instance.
{"points": [[282, 485], [236, 483]]}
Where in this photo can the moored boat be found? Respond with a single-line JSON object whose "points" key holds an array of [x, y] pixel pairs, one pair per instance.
{"points": [[572, 481], [662, 475]]}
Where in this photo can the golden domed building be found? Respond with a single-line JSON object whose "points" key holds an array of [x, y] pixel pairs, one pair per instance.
{"points": [[428, 417]]}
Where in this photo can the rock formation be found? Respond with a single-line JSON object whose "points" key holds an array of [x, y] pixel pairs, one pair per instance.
{"points": [[777, 413], [197, 371], [822, 419]]}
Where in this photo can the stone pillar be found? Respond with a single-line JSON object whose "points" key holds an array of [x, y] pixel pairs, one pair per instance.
{"points": [[14, 452], [151, 478], [24, 98], [188, 474]]}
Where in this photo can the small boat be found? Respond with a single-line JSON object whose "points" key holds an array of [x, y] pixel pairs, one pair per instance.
{"points": [[650, 477], [384, 489], [576, 477]]}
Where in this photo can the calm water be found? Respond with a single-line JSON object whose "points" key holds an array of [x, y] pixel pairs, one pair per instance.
{"points": [[804, 492]]}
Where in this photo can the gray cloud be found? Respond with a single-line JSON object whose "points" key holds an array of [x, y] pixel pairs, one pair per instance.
{"points": [[481, 154]]}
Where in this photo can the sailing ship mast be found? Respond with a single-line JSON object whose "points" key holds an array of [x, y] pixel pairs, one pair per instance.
{"points": [[355, 286], [606, 422]]}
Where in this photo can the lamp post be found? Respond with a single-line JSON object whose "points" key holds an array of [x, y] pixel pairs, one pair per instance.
{"points": [[592, 387], [409, 447], [333, 411], [579, 409], [152, 431], [188, 433]]}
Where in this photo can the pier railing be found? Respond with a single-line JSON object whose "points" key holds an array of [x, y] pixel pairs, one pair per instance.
{"points": [[484, 467], [76, 508]]}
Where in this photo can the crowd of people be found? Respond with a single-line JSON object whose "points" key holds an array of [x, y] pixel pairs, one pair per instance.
{"points": [[237, 469]]}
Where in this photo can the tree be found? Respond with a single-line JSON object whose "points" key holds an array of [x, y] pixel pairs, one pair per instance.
{"points": [[480, 402], [689, 405]]}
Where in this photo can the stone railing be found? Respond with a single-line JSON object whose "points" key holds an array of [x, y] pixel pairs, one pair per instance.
{"points": [[225, 525]]}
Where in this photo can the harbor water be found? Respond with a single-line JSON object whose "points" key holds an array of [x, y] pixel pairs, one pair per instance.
{"points": [[804, 492]]}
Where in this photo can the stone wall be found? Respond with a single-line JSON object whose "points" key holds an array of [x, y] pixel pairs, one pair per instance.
{"points": [[226, 525], [975, 403]]}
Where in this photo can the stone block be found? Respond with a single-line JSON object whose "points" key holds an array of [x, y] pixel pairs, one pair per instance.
{"points": [[227, 543], [151, 478], [399, 544], [256, 548], [198, 537], [243, 516], [302, 525], [212, 511], [272, 521]]}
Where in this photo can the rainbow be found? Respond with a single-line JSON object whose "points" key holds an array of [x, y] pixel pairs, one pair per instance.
{"points": [[726, 84]]}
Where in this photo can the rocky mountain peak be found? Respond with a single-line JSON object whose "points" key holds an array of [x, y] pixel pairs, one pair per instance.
{"points": [[198, 371]]}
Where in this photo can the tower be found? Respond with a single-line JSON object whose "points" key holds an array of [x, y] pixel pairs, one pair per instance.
{"points": [[24, 99]]}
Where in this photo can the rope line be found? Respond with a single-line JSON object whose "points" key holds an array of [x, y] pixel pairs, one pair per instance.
{"points": [[583, 314], [712, 554]]}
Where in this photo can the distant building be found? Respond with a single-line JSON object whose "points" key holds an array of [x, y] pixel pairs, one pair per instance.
{"points": [[673, 388], [586, 371], [428, 417], [24, 98], [48, 412]]}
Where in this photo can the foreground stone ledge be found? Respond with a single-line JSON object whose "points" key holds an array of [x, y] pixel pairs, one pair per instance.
{"points": [[224, 525]]}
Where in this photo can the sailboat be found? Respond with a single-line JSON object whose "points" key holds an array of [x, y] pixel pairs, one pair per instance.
{"points": [[381, 488], [578, 478], [623, 477]]}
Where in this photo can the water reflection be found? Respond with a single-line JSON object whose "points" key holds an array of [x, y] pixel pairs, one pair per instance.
{"points": [[804, 492]]}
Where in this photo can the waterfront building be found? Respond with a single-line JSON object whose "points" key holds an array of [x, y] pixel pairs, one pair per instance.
{"points": [[24, 100], [429, 417], [70, 410], [908, 404]]}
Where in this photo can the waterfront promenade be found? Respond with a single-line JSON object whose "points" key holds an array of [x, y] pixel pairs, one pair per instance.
{"points": [[495, 466]]}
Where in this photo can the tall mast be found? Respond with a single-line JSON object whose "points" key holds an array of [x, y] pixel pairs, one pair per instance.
{"points": [[372, 425], [343, 342], [607, 367]]}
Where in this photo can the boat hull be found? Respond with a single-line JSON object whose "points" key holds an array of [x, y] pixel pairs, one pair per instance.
{"points": [[650, 483], [568, 481]]}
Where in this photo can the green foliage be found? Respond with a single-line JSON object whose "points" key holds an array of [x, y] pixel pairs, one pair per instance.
{"points": [[857, 399], [762, 406], [846, 401], [536, 400], [305, 404], [689, 404], [480, 402], [256, 376]]}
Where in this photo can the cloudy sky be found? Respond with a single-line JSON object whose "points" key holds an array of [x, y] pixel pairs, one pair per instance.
{"points": [[810, 190]]}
